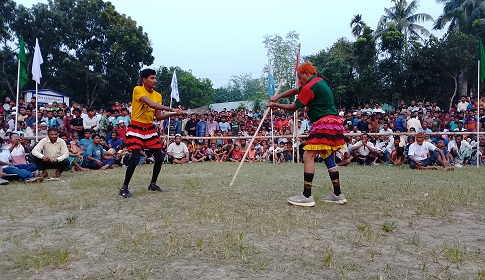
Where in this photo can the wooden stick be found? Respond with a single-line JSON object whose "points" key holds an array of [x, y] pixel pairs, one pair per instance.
{"points": [[254, 136], [249, 146]]}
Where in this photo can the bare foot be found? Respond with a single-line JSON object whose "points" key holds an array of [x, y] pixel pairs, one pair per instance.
{"points": [[84, 169], [73, 169], [104, 167], [58, 173]]}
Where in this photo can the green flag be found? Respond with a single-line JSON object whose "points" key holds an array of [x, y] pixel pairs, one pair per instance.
{"points": [[482, 63], [23, 62]]}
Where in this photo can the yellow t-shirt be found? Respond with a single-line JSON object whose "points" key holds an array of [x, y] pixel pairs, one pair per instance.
{"points": [[140, 111]]}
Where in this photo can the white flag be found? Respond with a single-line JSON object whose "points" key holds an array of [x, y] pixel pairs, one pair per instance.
{"points": [[36, 74], [175, 88]]}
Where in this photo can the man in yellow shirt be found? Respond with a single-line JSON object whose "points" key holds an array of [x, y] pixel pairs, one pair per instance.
{"points": [[142, 134]]}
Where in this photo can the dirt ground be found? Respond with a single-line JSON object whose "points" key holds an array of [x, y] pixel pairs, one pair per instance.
{"points": [[398, 224]]}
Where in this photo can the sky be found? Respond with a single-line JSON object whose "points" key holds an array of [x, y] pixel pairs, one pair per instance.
{"points": [[217, 39]]}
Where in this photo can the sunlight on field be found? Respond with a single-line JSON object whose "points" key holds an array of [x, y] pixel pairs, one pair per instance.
{"points": [[399, 223]]}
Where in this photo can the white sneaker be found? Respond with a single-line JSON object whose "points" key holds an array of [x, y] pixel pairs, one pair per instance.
{"points": [[301, 200], [335, 199]]}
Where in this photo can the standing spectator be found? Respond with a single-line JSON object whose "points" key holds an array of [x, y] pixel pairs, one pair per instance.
{"points": [[401, 123], [201, 127], [104, 123], [462, 105], [191, 125], [224, 126], [50, 120], [117, 106], [91, 121], [77, 123], [436, 123], [124, 116], [235, 125], [212, 125], [30, 119], [51, 153], [122, 130]]}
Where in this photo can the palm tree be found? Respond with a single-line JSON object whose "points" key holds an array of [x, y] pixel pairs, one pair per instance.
{"points": [[460, 14], [357, 25], [404, 18]]}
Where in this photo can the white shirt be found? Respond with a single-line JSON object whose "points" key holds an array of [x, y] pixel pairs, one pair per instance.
{"points": [[87, 123], [363, 150], [464, 148], [420, 152], [414, 122], [178, 151], [462, 106]]}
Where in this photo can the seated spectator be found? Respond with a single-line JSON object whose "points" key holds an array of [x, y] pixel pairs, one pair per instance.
{"points": [[211, 151], [251, 153], [51, 153], [423, 155], [28, 176], [19, 152], [96, 157], [236, 154], [86, 141], [177, 152], [75, 158], [343, 156], [199, 153], [397, 157], [443, 146], [460, 149], [220, 155], [3, 174], [364, 151]]}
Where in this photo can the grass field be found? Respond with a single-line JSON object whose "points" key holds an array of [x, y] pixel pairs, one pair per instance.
{"points": [[398, 224]]}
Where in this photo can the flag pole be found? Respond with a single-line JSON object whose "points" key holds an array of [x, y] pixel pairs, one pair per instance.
{"points": [[272, 135], [478, 117], [168, 124], [295, 113], [36, 113], [17, 97]]}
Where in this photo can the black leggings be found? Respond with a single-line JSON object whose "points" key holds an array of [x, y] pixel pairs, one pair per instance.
{"points": [[135, 158]]}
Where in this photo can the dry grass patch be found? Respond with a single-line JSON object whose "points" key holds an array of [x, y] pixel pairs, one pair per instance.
{"points": [[399, 224]]}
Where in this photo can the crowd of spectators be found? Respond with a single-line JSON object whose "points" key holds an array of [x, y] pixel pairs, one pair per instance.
{"points": [[95, 137]]}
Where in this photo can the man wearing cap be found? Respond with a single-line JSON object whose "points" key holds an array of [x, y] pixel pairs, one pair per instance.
{"points": [[142, 133], [419, 151], [177, 151]]}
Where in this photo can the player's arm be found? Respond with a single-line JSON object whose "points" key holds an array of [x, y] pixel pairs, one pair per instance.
{"points": [[161, 115]]}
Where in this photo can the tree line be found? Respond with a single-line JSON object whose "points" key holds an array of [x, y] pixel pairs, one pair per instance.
{"points": [[94, 54]]}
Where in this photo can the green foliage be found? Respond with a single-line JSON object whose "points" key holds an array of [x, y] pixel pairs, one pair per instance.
{"points": [[282, 52], [90, 51], [193, 92], [240, 88]]}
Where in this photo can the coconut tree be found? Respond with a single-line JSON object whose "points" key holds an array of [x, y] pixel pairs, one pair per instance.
{"points": [[460, 14], [404, 17], [357, 25]]}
